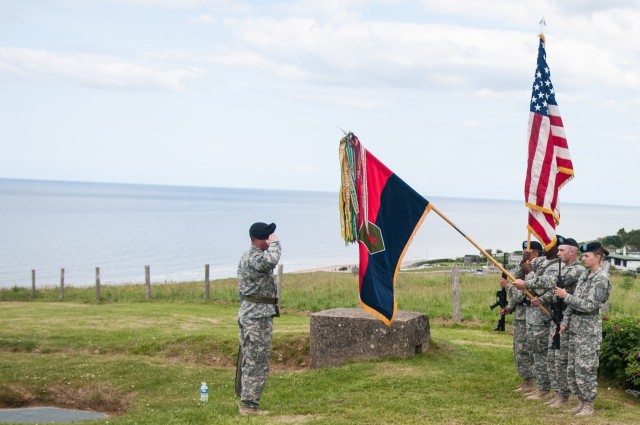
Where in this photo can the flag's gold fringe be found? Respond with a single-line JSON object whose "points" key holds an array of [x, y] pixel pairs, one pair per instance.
{"points": [[549, 245], [544, 210], [380, 315], [406, 247], [565, 171]]}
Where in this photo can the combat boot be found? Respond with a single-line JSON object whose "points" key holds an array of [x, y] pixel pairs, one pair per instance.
{"points": [[587, 409], [539, 395], [559, 401], [250, 410], [577, 408], [553, 400], [526, 386]]}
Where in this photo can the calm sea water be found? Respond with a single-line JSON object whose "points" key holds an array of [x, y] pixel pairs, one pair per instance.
{"points": [[120, 228]]}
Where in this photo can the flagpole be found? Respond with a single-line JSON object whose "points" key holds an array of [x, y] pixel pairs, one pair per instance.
{"points": [[486, 254]]}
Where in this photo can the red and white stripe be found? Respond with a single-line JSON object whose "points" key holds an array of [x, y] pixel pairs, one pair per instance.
{"points": [[549, 167]]}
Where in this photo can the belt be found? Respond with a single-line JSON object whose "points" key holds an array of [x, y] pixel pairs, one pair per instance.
{"points": [[582, 313], [260, 300]]}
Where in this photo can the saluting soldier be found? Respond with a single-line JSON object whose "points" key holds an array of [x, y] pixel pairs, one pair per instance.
{"points": [[583, 323], [257, 291], [540, 283], [518, 305], [571, 274]]}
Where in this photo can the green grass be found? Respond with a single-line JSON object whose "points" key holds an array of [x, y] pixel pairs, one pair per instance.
{"points": [[144, 361]]}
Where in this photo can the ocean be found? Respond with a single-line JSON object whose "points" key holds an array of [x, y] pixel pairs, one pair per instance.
{"points": [[121, 228]]}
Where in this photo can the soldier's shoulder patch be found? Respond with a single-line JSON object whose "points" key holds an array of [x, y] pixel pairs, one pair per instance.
{"points": [[601, 291]]}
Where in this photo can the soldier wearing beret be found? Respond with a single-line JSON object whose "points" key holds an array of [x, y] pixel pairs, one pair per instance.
{"points": [[582, 322], [540, 283], [520, 305], [257, 291], [558, 359]]}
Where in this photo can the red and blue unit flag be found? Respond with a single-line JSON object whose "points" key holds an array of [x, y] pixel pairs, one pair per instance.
{"points": [[381, 213]]}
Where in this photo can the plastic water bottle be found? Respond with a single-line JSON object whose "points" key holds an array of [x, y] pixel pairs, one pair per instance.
{"points": [[204, 392]]}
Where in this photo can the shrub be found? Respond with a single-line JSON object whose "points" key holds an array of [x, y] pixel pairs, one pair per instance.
{"points": [[632, 372], [620, 347], [627, 283]]}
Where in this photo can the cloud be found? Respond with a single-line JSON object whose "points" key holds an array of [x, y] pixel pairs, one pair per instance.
{"points": [[473, 124], [591, 6], [511, 14], [205, 19], [93, 70], [256, 61], [376, 53], [331, 44], [228, 5], [360, 102], [339, 48], [633, 139]]}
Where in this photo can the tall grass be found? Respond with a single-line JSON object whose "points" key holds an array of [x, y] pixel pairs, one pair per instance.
{"points": [[424, 292]]}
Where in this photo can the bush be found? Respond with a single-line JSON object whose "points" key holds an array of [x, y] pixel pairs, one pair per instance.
{"points": [[627, 283], [620, 348], [632, 371]]}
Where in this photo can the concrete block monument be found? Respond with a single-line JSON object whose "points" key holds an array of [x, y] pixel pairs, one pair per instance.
{"points": [[344, 334]]}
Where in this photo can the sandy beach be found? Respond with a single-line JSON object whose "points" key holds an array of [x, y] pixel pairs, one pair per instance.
{"points": [[340, 268]]}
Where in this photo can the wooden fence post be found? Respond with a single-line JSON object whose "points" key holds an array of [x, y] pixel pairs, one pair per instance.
{"points": [[97, 283], [206, 282], [61, 284], [455, 283], [279, 285], [147, 283], [604, 308], [33, 283]]}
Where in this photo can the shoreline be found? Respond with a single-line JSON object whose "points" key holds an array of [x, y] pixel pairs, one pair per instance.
{"points": [[338, 268]]}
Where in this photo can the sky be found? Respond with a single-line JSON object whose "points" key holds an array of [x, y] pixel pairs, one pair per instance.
{"points": [[256, 94]]}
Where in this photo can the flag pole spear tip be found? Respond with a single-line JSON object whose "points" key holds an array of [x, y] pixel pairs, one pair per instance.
{"points": [[343, 132], [543, 23]]}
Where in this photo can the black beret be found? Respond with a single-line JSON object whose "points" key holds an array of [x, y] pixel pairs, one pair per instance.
{"points": [[590, 247], [559, 240], [261, 230], [534, 245], [570, 242]]}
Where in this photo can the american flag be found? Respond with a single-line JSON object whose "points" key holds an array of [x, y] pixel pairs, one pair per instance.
{"points": [[549, 164]]}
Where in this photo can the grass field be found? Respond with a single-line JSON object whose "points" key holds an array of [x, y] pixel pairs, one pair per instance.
{"points": [[143, 361]]}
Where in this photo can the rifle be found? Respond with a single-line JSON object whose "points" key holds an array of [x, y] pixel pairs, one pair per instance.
{"points": [[557, 306], [501, 300], [239, 372]]}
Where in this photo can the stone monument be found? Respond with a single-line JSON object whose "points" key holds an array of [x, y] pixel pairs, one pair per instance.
{"points": [[344, 334]]}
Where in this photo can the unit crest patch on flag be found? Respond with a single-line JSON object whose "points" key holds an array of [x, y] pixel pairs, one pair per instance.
{"points": [[373, 240]]}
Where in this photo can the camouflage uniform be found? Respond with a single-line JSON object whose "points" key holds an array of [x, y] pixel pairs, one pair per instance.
{"points": [[582, 319], [541, 283], [255, 274], [559, 359], [521, 351]]}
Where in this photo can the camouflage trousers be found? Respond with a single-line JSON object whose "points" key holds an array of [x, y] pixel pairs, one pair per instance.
{"points": [[538, 335], [558, 363], [255, 343], [521, 353], [582, 372]]}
